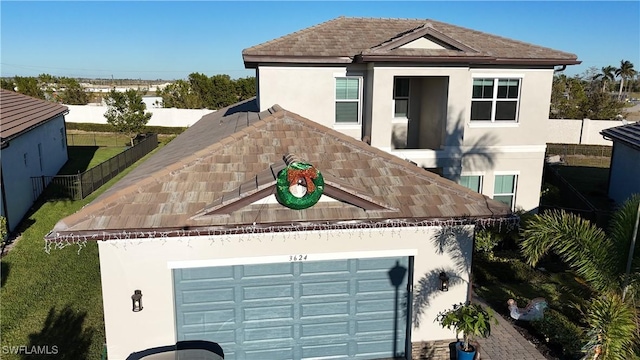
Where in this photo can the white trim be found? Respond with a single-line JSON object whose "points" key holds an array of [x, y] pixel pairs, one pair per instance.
{"points": [[286, 258], [346, 126], [473, 173], [498, 75], [340, 74], [491, 124], [400, 120], [510, 172], [359, 100]]}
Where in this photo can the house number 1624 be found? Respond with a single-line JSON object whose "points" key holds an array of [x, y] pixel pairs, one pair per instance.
{"points": [[297, 257]]}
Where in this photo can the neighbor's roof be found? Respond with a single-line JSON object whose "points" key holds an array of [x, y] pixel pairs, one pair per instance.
{"points": [[20, 113], [346, 40], [211, 176], [628, 134]]}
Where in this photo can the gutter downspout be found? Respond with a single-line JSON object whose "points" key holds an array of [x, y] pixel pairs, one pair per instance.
{"points": [[559, 70]]}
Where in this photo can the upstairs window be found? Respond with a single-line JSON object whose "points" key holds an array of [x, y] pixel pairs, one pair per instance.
{"points": [[495, 99], [401, 97], [348, 100]]}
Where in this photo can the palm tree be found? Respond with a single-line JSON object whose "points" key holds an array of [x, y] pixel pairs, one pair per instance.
{"points": [[607, 74], [601, 260], [625, 71]]}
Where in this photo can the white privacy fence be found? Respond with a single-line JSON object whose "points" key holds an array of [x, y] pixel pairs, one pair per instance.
{"points": [[161, 117], [575, 131]]}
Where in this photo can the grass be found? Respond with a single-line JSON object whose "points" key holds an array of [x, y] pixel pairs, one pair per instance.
{"points": [[53, 299], [82, 158]]}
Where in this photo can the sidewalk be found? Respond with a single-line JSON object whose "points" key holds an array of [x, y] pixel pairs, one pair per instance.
{"points": [[505, 343]]}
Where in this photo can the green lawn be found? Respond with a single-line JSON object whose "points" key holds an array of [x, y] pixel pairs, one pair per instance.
{"points": [[82, 158], [53, 299]]}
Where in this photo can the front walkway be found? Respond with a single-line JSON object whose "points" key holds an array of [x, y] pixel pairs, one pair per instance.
{"points": [[505, 343]]}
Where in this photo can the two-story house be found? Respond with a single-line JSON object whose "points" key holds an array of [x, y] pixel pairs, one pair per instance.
{"points": [[468, 105]]}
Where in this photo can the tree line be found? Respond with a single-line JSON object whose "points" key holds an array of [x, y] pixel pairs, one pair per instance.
{"points": [[48, 87], [199, 91], [593, 94]]}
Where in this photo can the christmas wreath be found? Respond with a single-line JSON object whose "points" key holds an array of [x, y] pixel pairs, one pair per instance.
{"points": [[299, 186]]}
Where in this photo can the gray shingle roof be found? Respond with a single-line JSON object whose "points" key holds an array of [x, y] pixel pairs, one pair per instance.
{"points": [[628, 134], [364, 39], [19, 113], [211, 175]]}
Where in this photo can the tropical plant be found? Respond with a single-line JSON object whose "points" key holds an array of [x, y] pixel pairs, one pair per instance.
{"points": [[601, 260], [472, 320], [607, 75], [625, 71]]}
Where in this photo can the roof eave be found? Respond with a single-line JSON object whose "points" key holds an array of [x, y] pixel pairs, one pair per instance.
{"points": [[464, 59], [70, 236], [252, 61]]}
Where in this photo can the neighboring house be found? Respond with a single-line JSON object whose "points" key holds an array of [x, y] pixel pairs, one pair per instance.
{"points": [[468, 105], [33, 144], [624, 171], [216, 256]]}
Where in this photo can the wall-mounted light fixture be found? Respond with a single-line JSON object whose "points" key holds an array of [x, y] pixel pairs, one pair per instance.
{"points": [[136, 300], [444, 281]]}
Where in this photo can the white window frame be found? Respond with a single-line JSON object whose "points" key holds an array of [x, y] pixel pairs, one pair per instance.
{"points": [[359, 100], [516, 176], [480, 175], [395, 97], [494, 99]]}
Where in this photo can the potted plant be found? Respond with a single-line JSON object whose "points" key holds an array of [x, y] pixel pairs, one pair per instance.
{"points": [[472, 320]]}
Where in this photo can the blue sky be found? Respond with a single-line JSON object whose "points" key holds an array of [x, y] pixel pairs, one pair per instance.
{"points": [[170, 40]]}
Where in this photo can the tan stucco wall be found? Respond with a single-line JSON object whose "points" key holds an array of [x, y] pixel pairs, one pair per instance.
{"points": [[129, 265]]}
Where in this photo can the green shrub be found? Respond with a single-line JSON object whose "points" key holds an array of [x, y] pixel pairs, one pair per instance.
{"points": [[486, 241], [108, 128], [560, 333]]}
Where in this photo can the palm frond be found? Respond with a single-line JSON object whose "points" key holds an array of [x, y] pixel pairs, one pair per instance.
{"points": [[613, 329], [580, 244], [621, 231]]}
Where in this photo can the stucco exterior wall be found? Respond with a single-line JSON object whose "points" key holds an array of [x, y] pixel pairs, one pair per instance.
{"points": [[625, 172], [22, 160], [310, 92], [145, 265], [161, 117]]}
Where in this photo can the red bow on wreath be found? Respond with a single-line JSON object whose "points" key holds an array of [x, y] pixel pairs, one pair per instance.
{"points": [[294, 176]]}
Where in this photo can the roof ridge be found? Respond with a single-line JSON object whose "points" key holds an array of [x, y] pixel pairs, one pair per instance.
{"points": [[301, 31]]}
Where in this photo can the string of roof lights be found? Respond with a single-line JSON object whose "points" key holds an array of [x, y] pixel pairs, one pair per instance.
{"points": [[277, 232]]}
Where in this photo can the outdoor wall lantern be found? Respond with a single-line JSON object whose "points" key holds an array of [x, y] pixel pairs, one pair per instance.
{"points": [[136, 300], [444, 281]]}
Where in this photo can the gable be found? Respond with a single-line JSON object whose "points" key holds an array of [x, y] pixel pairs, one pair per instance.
{"points": [[427, 42]]}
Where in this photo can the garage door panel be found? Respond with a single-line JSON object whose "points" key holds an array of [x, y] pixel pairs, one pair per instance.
{"points": [[332, 328], [325, 288], [325, 309], [321, 310], [273, 271], [283, 291], [268, 313], [193, 297]]}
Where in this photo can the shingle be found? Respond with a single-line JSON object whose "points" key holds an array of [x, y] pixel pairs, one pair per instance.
{"points": [[348, 37], [20, 112], [231, 171]]}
